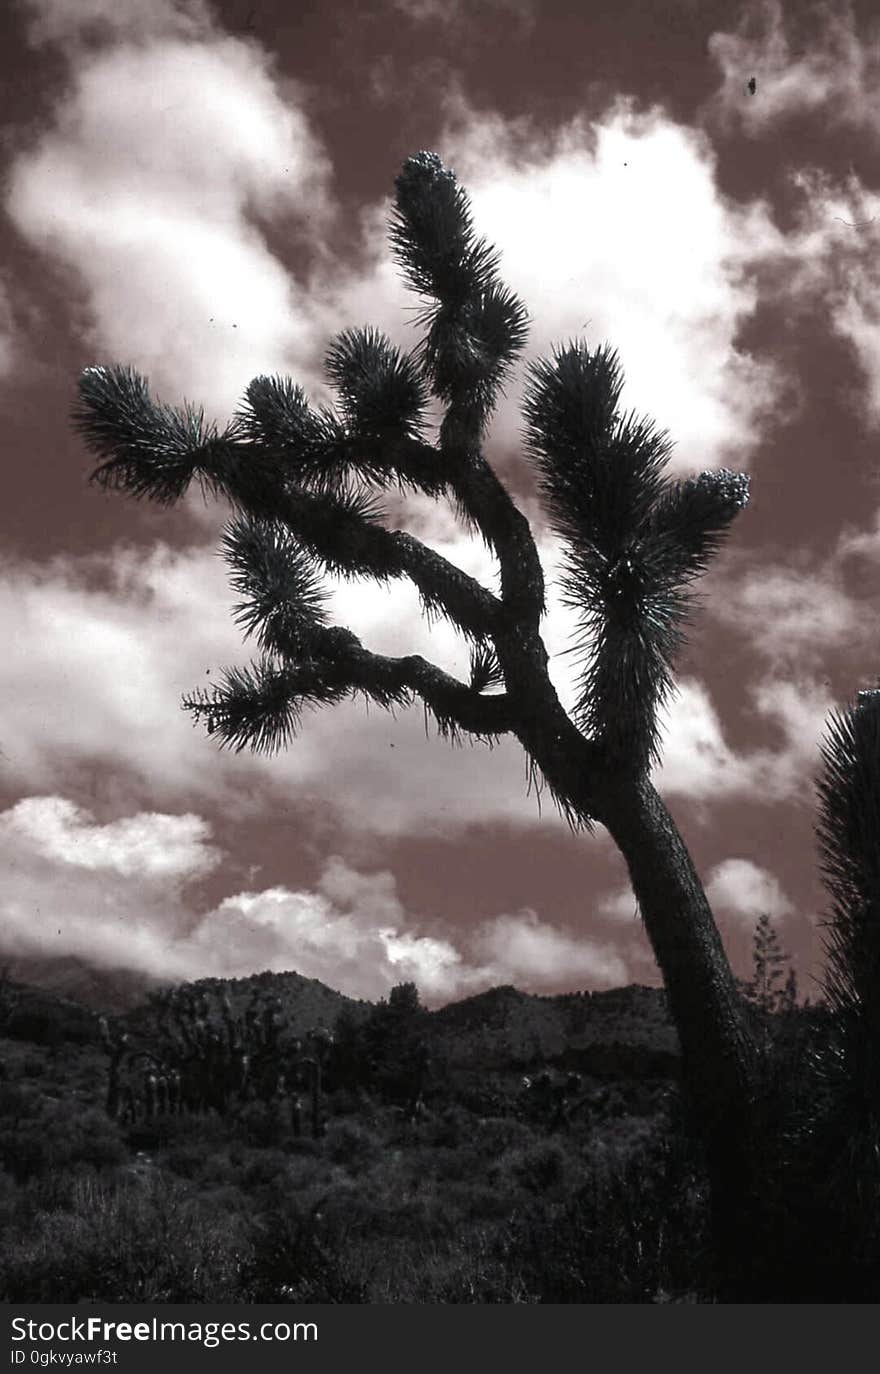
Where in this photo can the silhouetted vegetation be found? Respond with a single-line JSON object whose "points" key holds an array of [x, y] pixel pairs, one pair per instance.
{"points": [[787, 1120], [548, 1185]]}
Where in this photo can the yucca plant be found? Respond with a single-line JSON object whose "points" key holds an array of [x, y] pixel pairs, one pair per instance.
{"points": [[844, 1125], [303, 485]]}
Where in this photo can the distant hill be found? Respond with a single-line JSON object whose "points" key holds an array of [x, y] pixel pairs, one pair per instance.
{"points": [[506, 1027], [306, 1001], [103, 989], [622, 1032]]}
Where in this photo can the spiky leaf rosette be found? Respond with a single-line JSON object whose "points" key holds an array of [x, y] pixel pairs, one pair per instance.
{"points": [[310, 447], [600, 474], [848, 829], [383, 394], [259, 707], [283, 599], [155, 451], [632, 540], [476, 326], [690, 519]]}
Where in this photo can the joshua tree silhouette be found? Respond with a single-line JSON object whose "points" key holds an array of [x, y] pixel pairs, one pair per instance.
{"points": [[302, 485]]}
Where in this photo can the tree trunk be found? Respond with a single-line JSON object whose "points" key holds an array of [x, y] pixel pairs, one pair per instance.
{"points": [[719, 1053]]}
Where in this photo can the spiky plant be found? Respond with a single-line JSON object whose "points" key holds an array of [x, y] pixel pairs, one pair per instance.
{"points": [[847, 1063], [302, 483]]}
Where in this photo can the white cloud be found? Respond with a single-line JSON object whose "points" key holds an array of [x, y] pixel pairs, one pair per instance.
{"points": [[353, 933], [620, 907], [799, 708], [860, 543], [99, 653], [160, 156], [147, 845], [617, 231], [736, 888], [522, 947], [697, 761], [699, 764], [107, 895], [788, 613], [833, 70], [833, 260], [744, 890]]}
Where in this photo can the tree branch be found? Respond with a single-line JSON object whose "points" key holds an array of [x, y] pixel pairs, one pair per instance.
{"points": [[347, 542], [260, 706]]}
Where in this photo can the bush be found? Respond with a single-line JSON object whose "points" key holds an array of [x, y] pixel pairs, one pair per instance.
{"points": [[354, 1146], [137, 1242]]}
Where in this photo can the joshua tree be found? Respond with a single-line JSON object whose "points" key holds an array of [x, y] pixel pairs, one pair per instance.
{"points": [[302, 483]]}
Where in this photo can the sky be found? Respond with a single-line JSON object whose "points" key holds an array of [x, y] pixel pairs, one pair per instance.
{"points": [[201, 191]]}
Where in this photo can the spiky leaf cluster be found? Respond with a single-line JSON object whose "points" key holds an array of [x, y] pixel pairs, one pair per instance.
{"points": [[486, 671], [848, 829], [283, 599], [382, 391], [260, 706], [309, 446], [150, 450], [633, 539], [257, 706], [475, 327]]}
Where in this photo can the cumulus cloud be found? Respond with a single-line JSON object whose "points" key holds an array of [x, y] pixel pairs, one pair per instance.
{"points": [[737, 888], [616, 230], [110, 894], [788, 613], [114, 894], [100, 651], [353, 933], [831, 69], [854, 543], [743, 890], [832, 259], [173, 144], [162, 155], [699, 764], [148, 845]]}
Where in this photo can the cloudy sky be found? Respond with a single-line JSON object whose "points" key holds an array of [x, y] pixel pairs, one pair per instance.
{"points": [[201, 191]]}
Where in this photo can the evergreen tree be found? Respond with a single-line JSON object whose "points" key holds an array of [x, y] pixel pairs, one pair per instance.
{"points": [[770, 989]]}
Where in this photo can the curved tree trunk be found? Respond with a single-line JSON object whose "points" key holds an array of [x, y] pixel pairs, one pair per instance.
{"points": [[719, 1053], [720, 1058]]}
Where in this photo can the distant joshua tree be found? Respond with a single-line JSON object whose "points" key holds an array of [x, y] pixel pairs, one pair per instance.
{"points": [[302, 483]]}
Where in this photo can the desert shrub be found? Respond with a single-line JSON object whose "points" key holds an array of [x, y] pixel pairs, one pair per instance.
{"points": [[264, 1167], [295, 1257], [352, 1145], [634, 1232], [494, 1134], [39, 1133], [134, 1242], [540, 1167]]}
